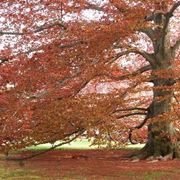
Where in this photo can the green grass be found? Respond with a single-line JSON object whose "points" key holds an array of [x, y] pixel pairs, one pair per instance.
{"points": [[143, 175], [9, 174], [80, 144], [151, 175], [154, 175]]}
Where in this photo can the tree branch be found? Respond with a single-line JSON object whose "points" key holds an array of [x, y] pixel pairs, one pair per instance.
{"points": [[126, 76], [168, 16], [131, 109], [64, 46], [72, 44], [78, 133], [176, 46], [3, 60], [149, 32], [173, 8], [39, 29], [131, 114], [93, 7], [164, 18], [136, 127], [147, 56]]}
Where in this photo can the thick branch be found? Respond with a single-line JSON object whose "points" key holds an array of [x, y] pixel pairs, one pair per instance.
{"points": [[161, 20], [168, 15], [173, 8], [147, 56], [149, 32]]}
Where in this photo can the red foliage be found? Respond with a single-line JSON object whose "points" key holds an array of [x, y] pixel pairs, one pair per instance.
{"points": [[50, 53]]}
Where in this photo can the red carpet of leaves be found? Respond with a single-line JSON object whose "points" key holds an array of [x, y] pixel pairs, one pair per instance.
{"points": [[100, 165]]}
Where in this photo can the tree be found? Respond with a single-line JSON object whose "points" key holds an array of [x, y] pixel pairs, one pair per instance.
{"points": [[56, 62]]}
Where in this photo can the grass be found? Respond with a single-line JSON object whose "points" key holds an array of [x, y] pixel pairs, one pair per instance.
{"points": [[143, 175], [20, 173], [80, 144], [152, 175]]}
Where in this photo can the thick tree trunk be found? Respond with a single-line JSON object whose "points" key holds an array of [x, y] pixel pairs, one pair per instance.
{"points": [[162, 136], [163, 139]]}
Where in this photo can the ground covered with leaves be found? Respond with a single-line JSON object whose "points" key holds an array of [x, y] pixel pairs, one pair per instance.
{"points": [[89, 165]]}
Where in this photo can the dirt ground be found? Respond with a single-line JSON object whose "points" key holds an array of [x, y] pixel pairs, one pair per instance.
{"points": [[97, 165]]}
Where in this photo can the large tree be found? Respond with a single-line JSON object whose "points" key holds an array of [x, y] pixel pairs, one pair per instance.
{"points": [[98, 68]]}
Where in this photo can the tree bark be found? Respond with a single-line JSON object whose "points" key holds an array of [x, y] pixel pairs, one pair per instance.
{"points": [[163, 139]]}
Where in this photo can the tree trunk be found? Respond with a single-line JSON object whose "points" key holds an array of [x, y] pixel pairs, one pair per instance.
{"points": [[163, 139], [162, 136]]}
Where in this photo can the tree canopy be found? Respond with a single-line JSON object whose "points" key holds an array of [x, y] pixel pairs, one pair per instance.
{"points": [[102, 69]]}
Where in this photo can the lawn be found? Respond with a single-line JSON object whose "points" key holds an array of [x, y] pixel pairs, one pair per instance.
{"points": [[77, 144], [18, 173]]}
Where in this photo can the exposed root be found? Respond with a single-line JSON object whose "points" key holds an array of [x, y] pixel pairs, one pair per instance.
{"points": [[146, 154]]}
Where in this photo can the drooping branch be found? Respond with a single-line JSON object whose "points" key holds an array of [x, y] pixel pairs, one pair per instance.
{"points": [[73, 84], [131, 114], [120, 9], [129, 75], [76, 133], [94, 7], [3, 60], [31, 50], [131, 109], [136, 127], [39, 29], [11, 33], [69, 45]]}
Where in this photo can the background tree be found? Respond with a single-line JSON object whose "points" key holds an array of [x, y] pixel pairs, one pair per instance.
{"points": [[98, 68]]}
